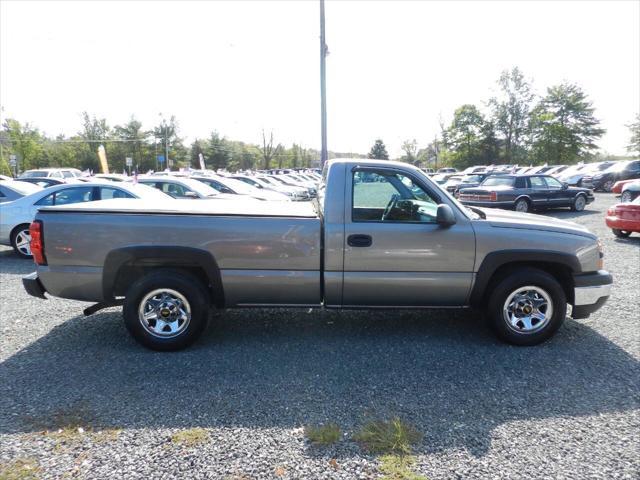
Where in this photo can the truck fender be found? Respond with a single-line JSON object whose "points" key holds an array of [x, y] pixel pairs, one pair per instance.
{"points": [[151, 256], [495, 260]]}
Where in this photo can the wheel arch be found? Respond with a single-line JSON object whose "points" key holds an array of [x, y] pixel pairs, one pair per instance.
{"points": [[523, 196], [124, 266], [496, 265]]}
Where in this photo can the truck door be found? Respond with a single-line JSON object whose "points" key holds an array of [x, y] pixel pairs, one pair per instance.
{"points": [[395, 254]]}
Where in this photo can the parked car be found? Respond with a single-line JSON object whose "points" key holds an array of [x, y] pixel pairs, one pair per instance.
{"points": [[236, 187], [43, 182], [16, 216], [447, 170], [114, 177], [13, 189], [630, 191], [604, 180], [468, 181], [400, 241], [261, 183], [526, 192], [183, 188], [51, 172], [574, 176], [624, 218], [617, 187]]}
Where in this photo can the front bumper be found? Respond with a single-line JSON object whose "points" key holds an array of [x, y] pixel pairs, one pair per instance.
{"points": [[33, 285], [591, 291]]}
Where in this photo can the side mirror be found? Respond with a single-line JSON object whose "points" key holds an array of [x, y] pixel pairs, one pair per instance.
{"points": [[445, 216], [565, 185], [190, 194]]}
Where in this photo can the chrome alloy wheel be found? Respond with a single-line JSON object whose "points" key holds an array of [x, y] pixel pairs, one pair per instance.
{"points": [[164, 313], [527, 309], [23, 242]]}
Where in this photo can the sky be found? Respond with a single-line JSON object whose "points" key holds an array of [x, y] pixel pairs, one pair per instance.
{"points": [[394, 68]]}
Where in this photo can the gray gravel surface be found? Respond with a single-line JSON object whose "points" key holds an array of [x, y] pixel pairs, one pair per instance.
{"points": [[565, 409]]}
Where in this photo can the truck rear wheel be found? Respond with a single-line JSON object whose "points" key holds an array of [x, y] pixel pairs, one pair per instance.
{"points": [[526, 307], [166, 310]]}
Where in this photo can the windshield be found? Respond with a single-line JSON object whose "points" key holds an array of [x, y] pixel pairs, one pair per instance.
{"points": [[616, 167], [238, 186], [498, 181], [25, 188], [34, 174], [471, 179]]}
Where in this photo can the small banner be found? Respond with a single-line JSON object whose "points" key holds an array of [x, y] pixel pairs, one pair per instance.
{"points": [[102, 155]]}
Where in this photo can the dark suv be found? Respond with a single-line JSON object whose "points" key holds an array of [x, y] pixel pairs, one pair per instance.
{"points": [[618, 171]]}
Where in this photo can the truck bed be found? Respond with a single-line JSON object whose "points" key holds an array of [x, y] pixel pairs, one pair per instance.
{"points": [[267, 252]]}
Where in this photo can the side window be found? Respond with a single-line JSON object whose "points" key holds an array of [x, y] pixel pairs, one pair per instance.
{"points": [[553, 183], [47, 200], [2, 195], [220, 187], [73, 195], [67, 174], [107, 193], [387, 196], [56, 175], [537, 183], [173, 189]]}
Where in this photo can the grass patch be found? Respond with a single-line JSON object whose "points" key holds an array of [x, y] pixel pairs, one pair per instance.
{"points": [[398, 467], [190, 436], [388, 437], [20, 469], [323, 434]]}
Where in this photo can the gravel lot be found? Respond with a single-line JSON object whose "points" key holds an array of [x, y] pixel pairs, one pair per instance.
{"points": [[567, 409]]}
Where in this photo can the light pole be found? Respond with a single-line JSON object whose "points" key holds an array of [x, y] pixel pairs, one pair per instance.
{"points": [[323, 87]]}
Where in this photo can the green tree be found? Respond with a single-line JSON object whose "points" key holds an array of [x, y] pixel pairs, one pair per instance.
{"points": [[510, 113], [25, 142], [218, 152], [564, 128], [134, 141], [267, 150], [634, 141], [378, 151]]}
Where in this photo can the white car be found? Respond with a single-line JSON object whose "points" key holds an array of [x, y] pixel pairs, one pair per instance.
{"points": [[16, 216], [14, 189], [183, 188], [52, 173], [263, 183], [236, 187]]}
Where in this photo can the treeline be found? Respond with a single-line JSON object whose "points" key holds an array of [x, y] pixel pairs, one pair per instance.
{"points": [[34, 149], [516, 127]]}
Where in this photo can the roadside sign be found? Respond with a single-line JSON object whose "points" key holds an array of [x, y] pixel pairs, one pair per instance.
{"points": [[13, 161], [161, 158], [129, 161]]}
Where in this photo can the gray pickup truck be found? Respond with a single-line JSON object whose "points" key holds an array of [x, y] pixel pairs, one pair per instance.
{"points": [[380, 235]]}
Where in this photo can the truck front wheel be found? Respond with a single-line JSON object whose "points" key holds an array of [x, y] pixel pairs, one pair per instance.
{"points": [[166, 310], [526, 307]]}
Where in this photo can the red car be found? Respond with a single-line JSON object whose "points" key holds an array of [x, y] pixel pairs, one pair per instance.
{"points": [[617, 187], [624, 218]]}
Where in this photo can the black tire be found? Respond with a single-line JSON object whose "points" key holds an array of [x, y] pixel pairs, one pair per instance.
{"points": [[172, 281], [627, 197], [620, 233], [502, 290], [522, 205], [579, 203], [607, 186], [15, 236]]}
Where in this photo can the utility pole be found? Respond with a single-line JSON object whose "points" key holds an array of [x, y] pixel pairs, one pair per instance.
{"points": [[323, 88]]}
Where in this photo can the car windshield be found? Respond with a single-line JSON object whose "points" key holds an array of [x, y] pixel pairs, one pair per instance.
{"points": [[24, 188], [200, 188], [471, 179], [34, 174], [616, 167], [498, 181], [238, 186]]}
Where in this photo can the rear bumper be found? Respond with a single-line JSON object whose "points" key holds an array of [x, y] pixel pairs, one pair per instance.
{"points": [[622, 224], [478, 203], [33, 285], [591, 292]]}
